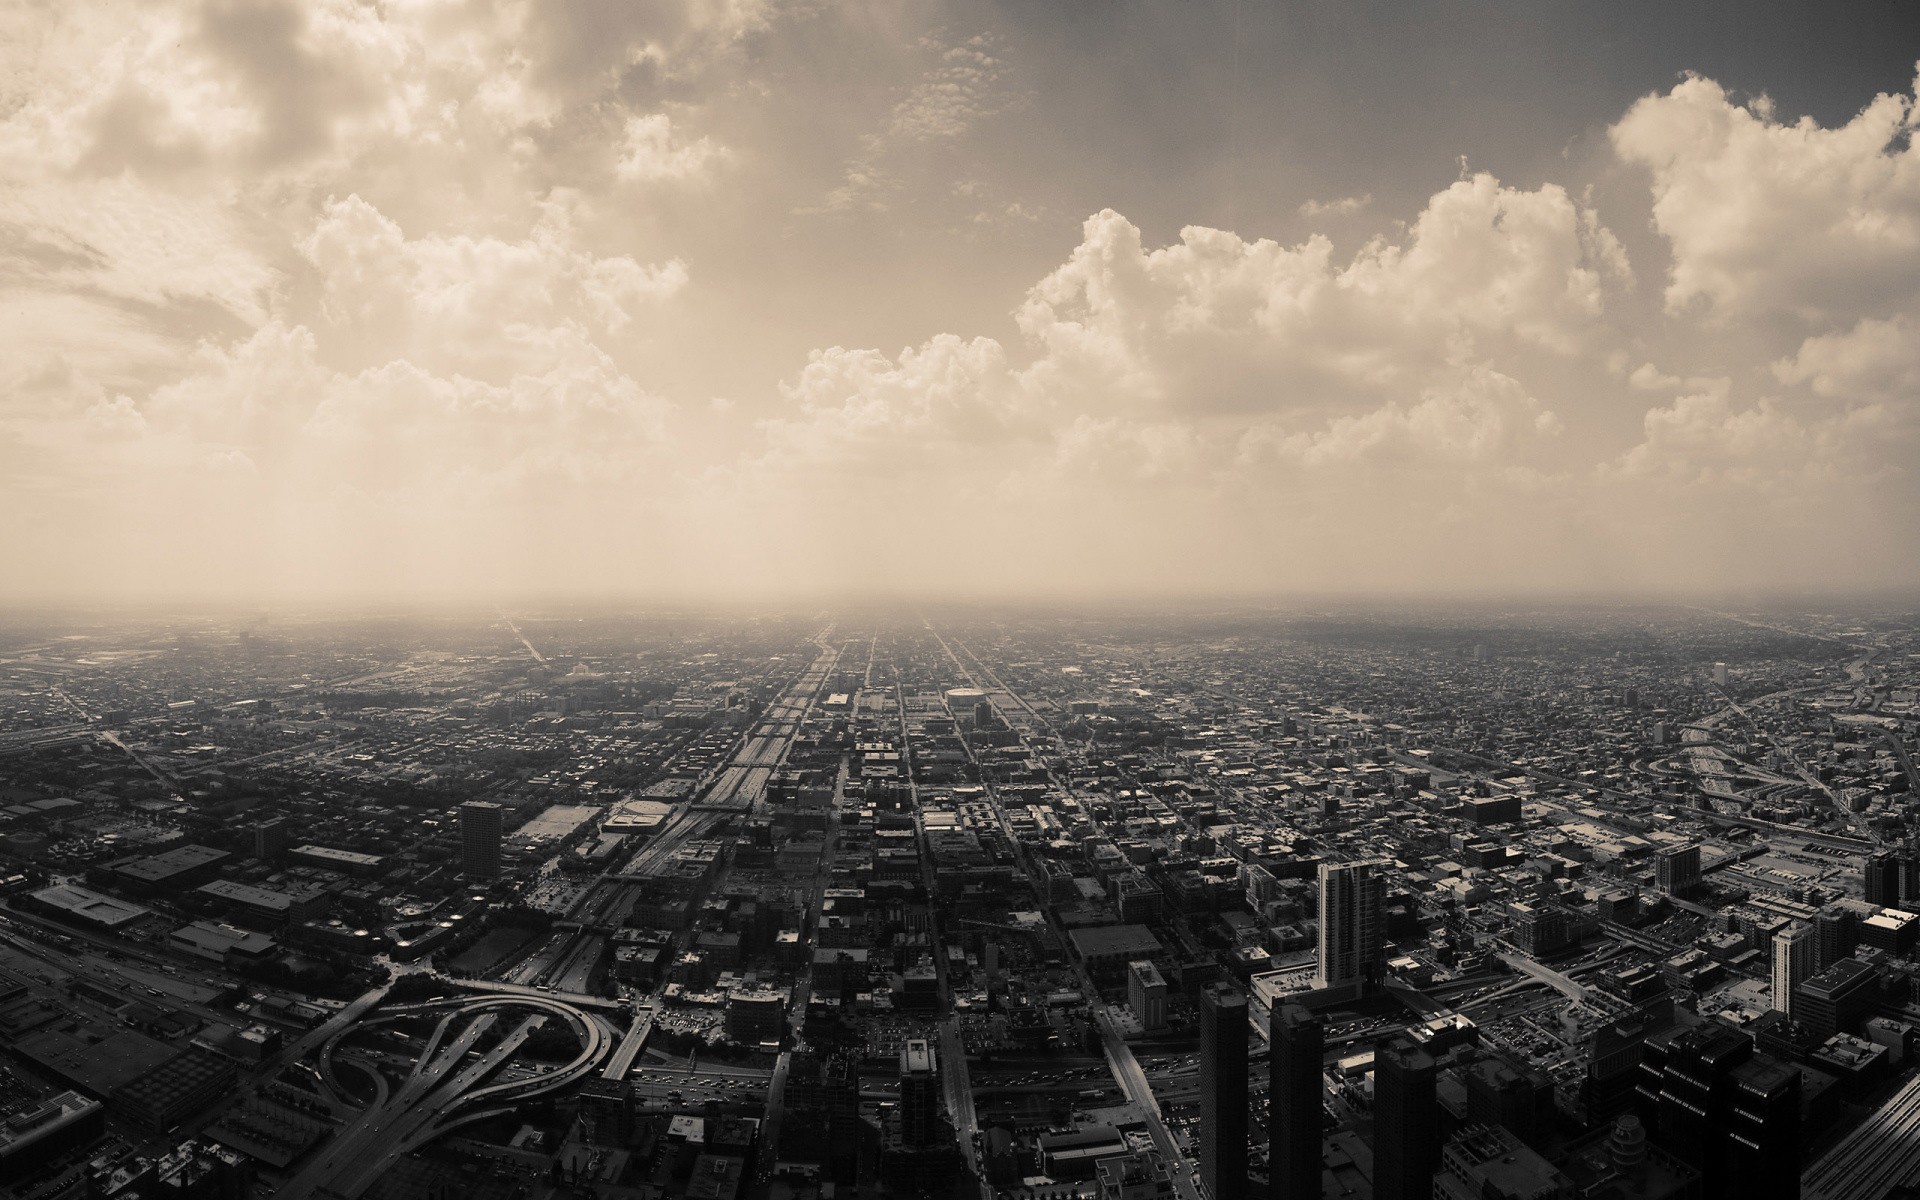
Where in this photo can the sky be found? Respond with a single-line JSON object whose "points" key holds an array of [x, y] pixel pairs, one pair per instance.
{"points": [[314, 299]]}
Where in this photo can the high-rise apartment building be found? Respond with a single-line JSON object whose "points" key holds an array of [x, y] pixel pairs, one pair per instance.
{"points": [[1795, 959], [1353, 920], [1296, 1098], [482, 826], [1223, 1091]]}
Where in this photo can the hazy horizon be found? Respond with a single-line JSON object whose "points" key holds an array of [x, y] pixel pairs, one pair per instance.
{"points": [[329, 305]]}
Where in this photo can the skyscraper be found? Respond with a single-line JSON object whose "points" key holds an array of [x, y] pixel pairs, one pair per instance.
{"points": [[1353, 918], [481, 827], [1406, 1121], [1795, 955], [840, 1085], [1296, 1096], [919, 1094], [1223, 1092]]}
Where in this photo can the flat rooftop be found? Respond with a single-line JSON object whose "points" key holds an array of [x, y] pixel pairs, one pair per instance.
{"points": [[1106, 941], [90, 905]]}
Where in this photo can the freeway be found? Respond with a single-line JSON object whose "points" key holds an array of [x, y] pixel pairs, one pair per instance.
{"points": [[493, 987], [1552, 978], [621, 1061], [742, 783], [332, 1028], [441, 1082]]}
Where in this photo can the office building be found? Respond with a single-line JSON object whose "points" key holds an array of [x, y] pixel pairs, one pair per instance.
{"points": [[1731, 1113], [1147, 995], [1223, 1092], [1837, 999], [1516, 1098], [482, 826], [1353, 918], [1795, 951], [1486, 1162], [919, 1094], [1406, 1121], [1296, 1099], [1540, 928], [756, 1016], [1677, 870]]}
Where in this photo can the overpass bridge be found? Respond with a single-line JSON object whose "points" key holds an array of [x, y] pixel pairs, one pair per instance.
{"points": [[445, 1085]]}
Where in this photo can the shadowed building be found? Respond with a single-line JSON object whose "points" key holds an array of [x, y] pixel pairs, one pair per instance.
{"points": [[1223, 1092], [482, 826], [1295, 1098], [1406, 1121]]}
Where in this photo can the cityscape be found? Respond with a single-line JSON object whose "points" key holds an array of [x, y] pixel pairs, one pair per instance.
{"points": [[1604, 900], [959, 600]]}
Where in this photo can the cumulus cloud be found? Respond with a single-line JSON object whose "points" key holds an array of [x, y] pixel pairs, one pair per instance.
{"points": [[1216, 322], [1766, 217], [474, 305], [406, 295], [1876, 360]]}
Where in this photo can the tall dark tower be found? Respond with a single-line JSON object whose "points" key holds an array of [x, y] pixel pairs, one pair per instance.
{"points": [[1883, 879], [840, 1081], [919, 1093], [1406, 1122], [1223, 1092], [481, 824], [1725, 1109], [1295, 1098]]}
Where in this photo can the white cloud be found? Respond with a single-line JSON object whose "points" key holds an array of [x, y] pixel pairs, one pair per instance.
{"points": [[1768, 217], [1344, 206], [472, 305], [959, 91], [1876, 360], [653, 153]]}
